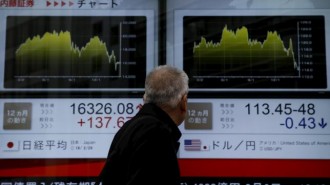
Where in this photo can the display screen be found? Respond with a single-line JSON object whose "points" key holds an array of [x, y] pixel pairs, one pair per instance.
{"points": [[71, 50], [256, 129], [62, 128], [66, 52], [213, 128], [64, 62], [255, 69], [255, 50]]}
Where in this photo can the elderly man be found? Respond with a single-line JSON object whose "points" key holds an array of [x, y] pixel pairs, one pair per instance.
{"points": [[143, 152]]}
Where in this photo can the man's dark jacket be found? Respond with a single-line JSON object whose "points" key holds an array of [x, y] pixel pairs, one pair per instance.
{"points": [[143, 152]]}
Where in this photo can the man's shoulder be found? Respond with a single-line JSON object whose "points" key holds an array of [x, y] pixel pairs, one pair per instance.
{"points": [[145, 121], [145, 125]]}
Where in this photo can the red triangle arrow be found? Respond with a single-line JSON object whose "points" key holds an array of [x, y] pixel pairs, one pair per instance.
{"points": [[48, 3], [55, 3], [70, 3], [63, 3]]}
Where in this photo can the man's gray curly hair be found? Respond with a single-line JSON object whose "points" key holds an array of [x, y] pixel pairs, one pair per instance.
{"points": [[165, 85]]}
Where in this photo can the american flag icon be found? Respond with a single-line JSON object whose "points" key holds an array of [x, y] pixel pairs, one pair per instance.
{"points": [[192, 144]]}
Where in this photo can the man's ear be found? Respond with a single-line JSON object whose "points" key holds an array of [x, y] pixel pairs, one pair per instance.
{"points": [[184, 103]]}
